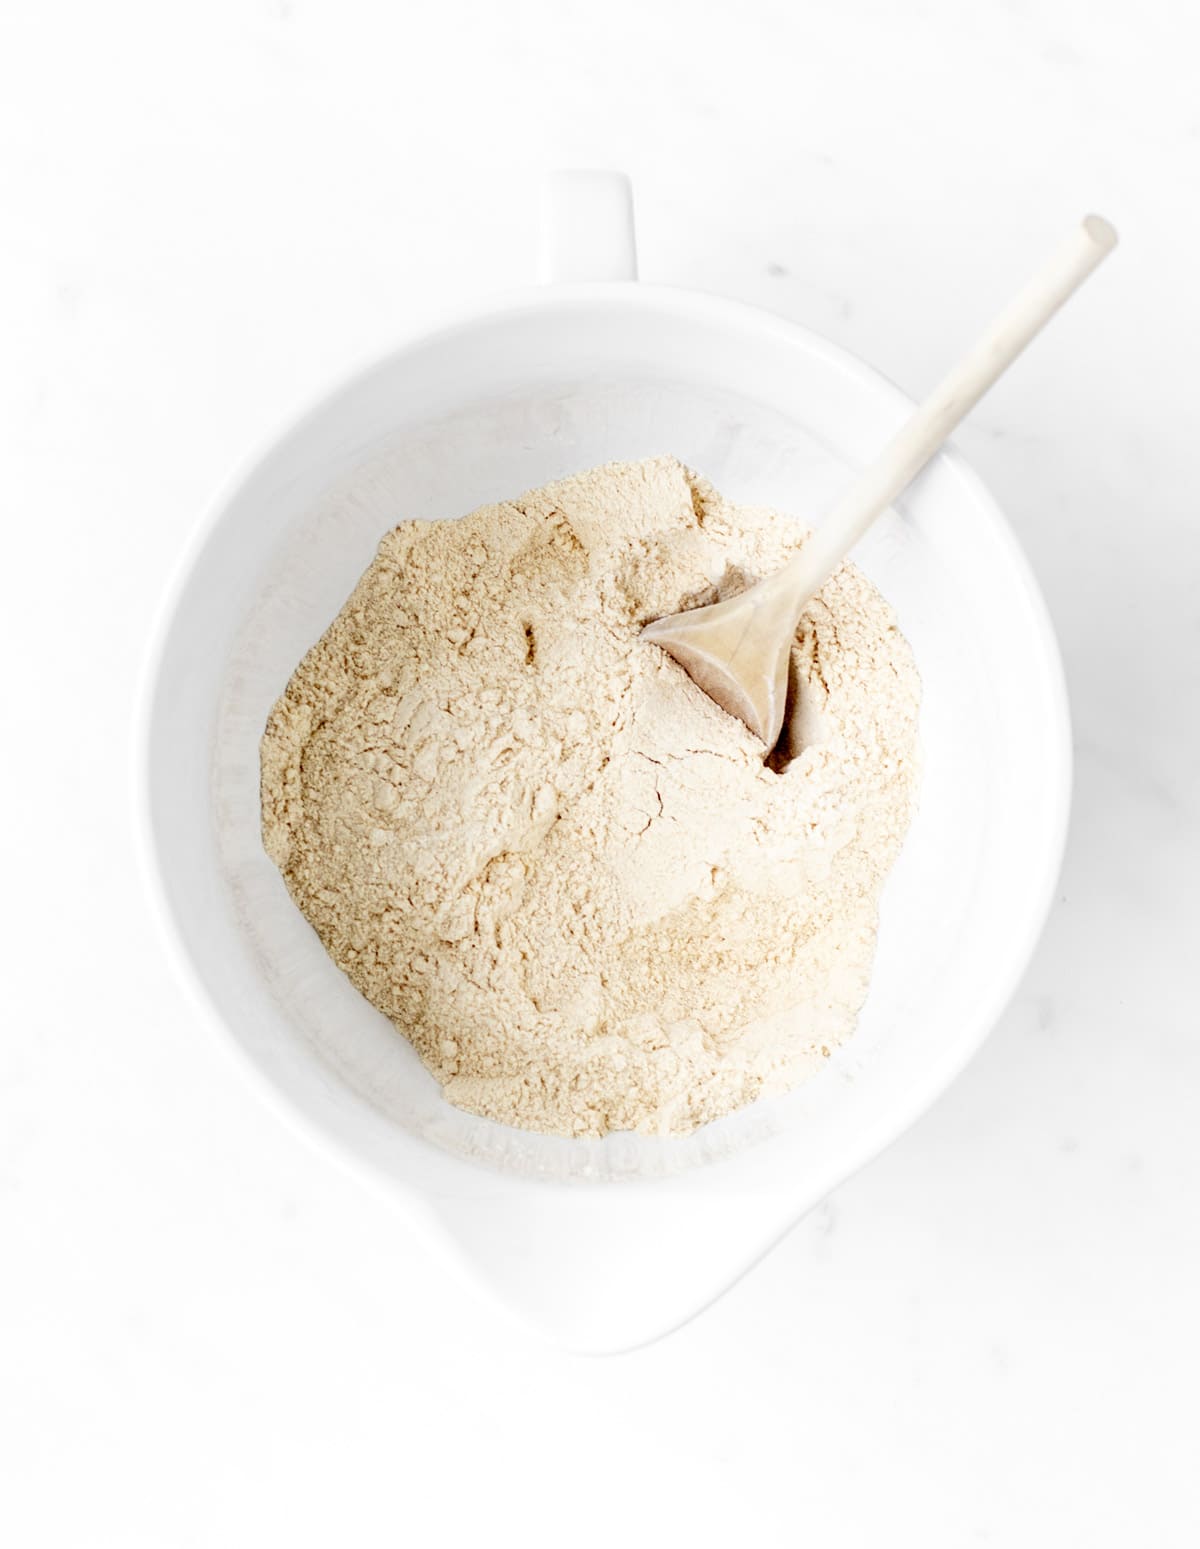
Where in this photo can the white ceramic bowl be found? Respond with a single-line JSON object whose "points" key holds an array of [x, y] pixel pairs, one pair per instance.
{"points": [[604, 1244]]}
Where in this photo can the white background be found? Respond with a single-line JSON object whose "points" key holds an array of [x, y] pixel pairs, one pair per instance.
{"points": [[208, 1336]]}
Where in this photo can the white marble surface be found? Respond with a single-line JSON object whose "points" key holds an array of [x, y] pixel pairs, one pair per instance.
{"points": [[208, 1337]]}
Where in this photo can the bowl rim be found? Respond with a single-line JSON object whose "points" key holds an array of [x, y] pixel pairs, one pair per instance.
{"points": [[685, 303]]}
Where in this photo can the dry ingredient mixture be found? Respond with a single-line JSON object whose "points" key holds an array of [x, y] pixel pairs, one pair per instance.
{"points": [[550, 859]]}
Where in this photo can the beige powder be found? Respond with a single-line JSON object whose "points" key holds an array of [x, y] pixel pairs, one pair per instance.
{"points": [[537, 847]]}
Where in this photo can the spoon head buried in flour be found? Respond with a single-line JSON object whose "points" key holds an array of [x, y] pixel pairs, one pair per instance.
{"points": [[737, 650]]}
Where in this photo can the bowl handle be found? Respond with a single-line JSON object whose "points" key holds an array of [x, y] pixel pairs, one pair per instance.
{"points": [[587, 227]]}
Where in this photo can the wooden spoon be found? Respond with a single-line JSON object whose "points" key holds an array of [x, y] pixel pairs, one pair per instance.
{"points": [[737, 650]]}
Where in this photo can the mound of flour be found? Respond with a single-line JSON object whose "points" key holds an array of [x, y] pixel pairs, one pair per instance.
{"points": [[553, 862]]}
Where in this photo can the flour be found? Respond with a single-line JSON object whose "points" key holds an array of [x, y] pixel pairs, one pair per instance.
{"points": [[555, 864]]}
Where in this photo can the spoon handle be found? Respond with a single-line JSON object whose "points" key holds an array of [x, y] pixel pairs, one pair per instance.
{"points": [[959, 391]]}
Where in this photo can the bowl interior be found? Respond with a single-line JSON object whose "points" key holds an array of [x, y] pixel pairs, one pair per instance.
{"points": [[493, 408]]}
